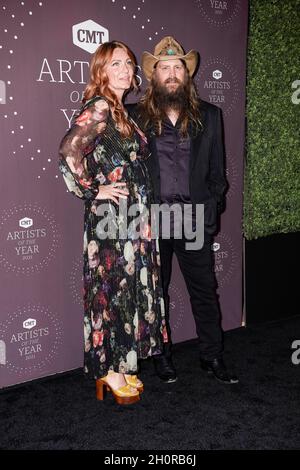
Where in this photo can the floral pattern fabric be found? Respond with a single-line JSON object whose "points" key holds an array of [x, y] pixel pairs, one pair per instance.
{"points": [[124, 318]]}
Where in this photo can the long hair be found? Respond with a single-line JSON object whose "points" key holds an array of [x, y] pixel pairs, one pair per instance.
{"points": [[99, 86], [152, 113]]}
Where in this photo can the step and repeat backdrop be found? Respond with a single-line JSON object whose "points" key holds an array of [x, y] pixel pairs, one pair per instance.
{"points": [[45, 50]]}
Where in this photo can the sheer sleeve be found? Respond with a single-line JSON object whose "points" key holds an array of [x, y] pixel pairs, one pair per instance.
{"points": [[80, 142]]}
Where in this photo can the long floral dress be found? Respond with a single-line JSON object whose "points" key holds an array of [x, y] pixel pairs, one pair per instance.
{"points": [[124, 318]]}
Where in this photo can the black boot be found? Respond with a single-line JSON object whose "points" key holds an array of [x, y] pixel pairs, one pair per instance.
{"points": [[163, 365], [217, 368]]}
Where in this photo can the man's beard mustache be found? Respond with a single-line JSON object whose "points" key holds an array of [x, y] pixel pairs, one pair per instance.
{"points": [[167, 99]]}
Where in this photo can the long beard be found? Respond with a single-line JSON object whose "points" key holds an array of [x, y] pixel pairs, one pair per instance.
{"points": [[165, 99]]}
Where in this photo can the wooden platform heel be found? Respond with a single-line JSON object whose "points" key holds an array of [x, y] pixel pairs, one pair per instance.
{"points": [[125, 395]]}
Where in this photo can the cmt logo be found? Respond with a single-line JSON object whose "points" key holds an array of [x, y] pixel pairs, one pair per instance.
{"points": [[29, 323], [215, 246], [26, 222], [89, 35], [217, 74]]}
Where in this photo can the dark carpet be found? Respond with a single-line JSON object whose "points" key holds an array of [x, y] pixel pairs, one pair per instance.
{"points": [[195, 413]]}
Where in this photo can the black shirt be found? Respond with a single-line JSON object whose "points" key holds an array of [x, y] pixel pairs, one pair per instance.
{"points": [[174, 157]]}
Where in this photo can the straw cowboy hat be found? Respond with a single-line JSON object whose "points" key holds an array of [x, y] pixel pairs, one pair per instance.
{"points": [[168, 49]]}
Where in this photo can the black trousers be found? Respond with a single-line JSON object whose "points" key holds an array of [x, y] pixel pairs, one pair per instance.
{"points": [[197, 269]]}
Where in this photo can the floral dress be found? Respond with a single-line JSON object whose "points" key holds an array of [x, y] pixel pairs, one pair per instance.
{"points": [[124, 318]]}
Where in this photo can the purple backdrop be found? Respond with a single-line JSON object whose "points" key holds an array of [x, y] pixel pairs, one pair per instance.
{"points": [[45, 48]]}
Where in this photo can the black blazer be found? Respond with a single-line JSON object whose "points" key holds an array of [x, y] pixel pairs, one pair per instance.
{"points": [[206, 173]]}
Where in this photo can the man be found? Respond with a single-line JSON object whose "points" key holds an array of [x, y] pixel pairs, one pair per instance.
{"points": [[187, 167]]}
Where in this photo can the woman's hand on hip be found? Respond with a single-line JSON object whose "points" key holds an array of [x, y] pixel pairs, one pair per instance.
{"points": [[112, 191]]}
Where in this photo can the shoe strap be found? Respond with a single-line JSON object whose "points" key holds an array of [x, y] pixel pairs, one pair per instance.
{"points": [[126, 390]]}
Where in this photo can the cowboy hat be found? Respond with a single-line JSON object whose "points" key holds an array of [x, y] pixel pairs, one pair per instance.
{"points": [[168, 49]]}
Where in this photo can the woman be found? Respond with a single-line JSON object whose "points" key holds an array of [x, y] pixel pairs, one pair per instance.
{"points": [[101, 159]]}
